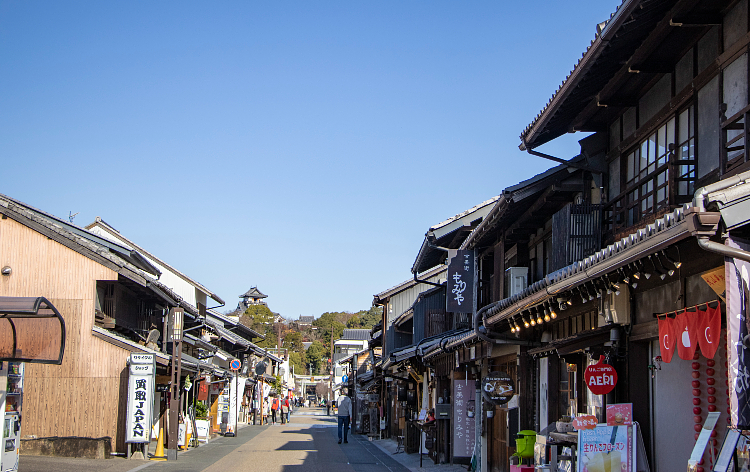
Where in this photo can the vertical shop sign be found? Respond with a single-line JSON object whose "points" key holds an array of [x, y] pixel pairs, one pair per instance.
{"points": [[463, 425], [140, 398], [460, 295], [738, 278]]}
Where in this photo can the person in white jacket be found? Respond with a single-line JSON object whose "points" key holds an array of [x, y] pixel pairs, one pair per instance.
{"points": [[345, 414]]}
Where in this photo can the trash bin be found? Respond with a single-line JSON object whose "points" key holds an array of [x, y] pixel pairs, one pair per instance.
{"points": [[525, 443]]}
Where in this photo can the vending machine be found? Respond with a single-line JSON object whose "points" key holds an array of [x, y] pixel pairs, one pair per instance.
{"points": [[11, 399]]}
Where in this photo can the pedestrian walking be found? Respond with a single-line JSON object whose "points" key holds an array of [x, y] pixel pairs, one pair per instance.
{"points": [[266, 410], [274, 409], [288, 408], [283, 409], [344, 415]]}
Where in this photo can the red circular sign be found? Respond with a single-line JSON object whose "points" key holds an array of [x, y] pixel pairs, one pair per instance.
{"points": [[600, 378]]}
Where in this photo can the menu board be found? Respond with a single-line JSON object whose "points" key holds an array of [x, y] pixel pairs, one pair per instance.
{"points": [[607, 449]]}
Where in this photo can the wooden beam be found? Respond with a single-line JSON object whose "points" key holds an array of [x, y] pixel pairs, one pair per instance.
{"points": [[697, 19], [640, 56]]}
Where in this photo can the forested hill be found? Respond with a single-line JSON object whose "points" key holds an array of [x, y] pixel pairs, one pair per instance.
{"points": [[291, 335]]}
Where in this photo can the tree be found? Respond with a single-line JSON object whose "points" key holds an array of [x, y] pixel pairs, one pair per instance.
{"points": [[315, 355], [297, 361], [260, 318], [293, 341], [366, 318], [325, 323]]}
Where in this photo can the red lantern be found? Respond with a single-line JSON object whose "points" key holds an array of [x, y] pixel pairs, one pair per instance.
{"points": [[697, 435], [697, 428]]}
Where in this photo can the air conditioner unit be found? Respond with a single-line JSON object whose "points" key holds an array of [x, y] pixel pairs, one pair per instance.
{"points": [[616, 308], [516, 279]]}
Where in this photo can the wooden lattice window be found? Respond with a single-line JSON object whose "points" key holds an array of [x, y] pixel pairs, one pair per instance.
{"points": [[657, 174]]}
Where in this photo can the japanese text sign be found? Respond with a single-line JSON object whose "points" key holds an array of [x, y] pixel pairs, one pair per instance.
{"points": [[140, 398], [584, 422], [600, 378], [606, 449], [460, 294], [463, 426], [619, 414]]}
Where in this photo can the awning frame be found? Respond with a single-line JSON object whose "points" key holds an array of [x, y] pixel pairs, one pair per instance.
{"points": [[40, 303]]}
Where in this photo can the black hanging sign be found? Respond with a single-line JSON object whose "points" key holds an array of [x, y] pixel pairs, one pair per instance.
{"points": [[460, 294], [497, 388]]}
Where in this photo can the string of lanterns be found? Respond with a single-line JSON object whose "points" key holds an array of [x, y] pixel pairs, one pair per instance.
{"points": [[591, 290]]}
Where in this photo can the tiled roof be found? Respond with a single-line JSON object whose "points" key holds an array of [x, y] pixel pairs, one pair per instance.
{"points": [[666, 230]]}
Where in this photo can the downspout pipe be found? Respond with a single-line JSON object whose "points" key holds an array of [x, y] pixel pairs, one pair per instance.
{"points": [[699, 198]]}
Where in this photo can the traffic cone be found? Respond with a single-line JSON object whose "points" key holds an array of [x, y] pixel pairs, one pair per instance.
{"points": [[159, 455]]}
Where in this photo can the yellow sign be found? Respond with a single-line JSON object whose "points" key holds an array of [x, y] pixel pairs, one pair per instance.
{"points": [[715, 279]]}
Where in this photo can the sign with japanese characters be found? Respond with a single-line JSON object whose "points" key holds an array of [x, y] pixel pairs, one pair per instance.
{"points": [[140, 398], [460, 294], [619, 414], [607, 449], [584, 422], [463, 425], [600, 378]]}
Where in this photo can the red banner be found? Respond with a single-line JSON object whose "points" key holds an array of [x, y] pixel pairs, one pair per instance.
{"points": [[666, 339], [709, 331], [600, 378], [203, 390], [686, 334]]}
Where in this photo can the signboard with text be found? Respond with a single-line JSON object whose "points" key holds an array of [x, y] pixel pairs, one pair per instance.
{"points": [[460, 294], [607, 448], [497, 388], [600, 378], [140, 398], [463, 426]]}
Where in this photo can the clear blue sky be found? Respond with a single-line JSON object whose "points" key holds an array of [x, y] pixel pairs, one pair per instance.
{"points": [[303, 147]]}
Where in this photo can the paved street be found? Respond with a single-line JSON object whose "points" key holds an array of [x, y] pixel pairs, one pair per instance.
{"points": [[308, 443]]}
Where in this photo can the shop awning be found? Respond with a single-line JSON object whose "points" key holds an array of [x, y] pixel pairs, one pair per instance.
{"points": [[31, 330]]}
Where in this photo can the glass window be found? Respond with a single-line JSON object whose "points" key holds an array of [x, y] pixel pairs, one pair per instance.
{"points": [[647, 170]]}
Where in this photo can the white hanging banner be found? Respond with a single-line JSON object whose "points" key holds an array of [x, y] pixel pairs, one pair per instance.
{"points": [[140, 397]]}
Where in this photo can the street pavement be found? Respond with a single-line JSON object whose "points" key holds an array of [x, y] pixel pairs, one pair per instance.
{"points": [[308, 443]]}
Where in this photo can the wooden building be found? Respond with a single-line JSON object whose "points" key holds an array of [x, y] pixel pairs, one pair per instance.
{"points": [[106, 294]]}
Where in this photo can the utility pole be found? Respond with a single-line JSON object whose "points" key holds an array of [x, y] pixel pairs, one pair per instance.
{"points": [[330, 372]]}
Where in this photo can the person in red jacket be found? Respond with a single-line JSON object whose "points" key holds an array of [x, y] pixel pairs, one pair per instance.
{"points": [[274, 409]]}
